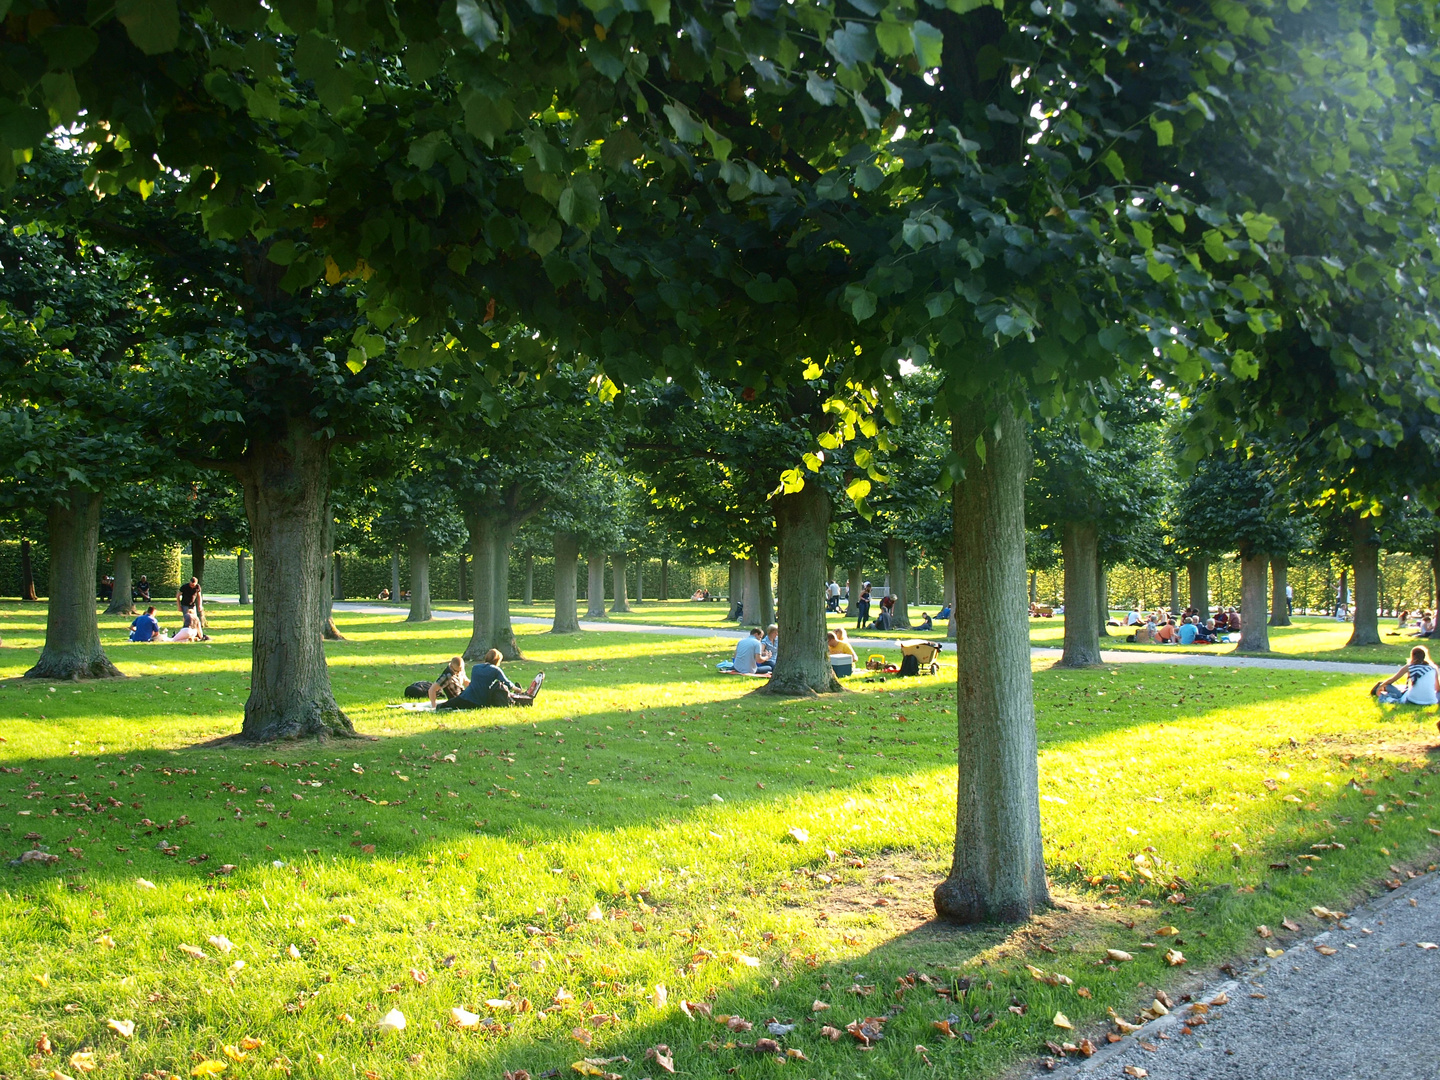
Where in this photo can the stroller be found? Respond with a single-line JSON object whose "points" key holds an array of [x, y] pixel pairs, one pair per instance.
{"points": [[925, 653]]}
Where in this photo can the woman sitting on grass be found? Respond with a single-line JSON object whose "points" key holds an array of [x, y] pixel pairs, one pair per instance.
{"points": [[488, 686], [842, 654], [189, 632], [1422, 682], [451, 683]]}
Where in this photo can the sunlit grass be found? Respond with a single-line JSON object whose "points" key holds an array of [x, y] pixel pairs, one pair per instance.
{"points": [[648, 790]]}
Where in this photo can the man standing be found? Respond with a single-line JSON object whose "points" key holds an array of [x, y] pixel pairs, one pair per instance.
{"points": [[832, 596], [1289, 599], [862, 607]]}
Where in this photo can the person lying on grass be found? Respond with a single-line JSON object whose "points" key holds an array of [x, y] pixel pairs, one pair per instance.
{"points": [[488, 686], [1422, 682], [451, 682]]}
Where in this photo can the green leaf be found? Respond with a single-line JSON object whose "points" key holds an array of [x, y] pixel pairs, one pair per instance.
{"points": [[1164, 131], [720, 146], [1144, 234], [853, 44], [1259, 226], [580, 204], [546, 239], [423, 150], [314, 56], [355, 360], [820, 88], [477, 23], [858, 488], [1245, 365], [335, 89], [486, 118], [153, 25], [894, 38], [620, 149], [67, 46], [961, 7], [863, 458], [1215, 246], [929, 44], [832, 185], [1111, 160], [861, 301], [687, 128], [61, 96], [812, 462], [282, 252]]}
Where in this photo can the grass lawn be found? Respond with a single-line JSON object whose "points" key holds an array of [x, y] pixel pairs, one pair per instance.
{"points": [[551, 869]]}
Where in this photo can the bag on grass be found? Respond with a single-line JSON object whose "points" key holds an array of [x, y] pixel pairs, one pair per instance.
{"points": [[910, 665]]}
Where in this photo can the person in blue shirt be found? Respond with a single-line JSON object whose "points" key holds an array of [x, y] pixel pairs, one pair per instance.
{"points": [[1189, 632], [145, 627], [488, 686], [749, 652]]}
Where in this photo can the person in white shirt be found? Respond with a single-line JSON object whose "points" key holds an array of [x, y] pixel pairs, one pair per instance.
{"points": [[832, 596], [1133, 619], [1422, 682]]}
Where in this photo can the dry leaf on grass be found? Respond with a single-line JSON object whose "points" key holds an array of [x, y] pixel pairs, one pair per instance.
{"points": [[1174, 957], [124, 1028], [833, 1034], [1062, 1021], [662, 1056], [1167, 931], [1273, 953], [141, 883], [83, 1060], [737, 1023], [234, 1053], [819, 1006], [208, 1067], [392, 1022], [192, 951], [1120, 956], [1263, 930], [463, 1018]]}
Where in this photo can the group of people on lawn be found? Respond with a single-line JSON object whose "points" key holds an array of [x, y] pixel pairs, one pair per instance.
{"points": [[1159, 627], [146, 627], [757, 653], [1423, 624]]}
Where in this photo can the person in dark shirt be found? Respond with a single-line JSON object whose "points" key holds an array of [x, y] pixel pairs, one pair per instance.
{"points": [[188, 596], [488, 686], [142, 589]]}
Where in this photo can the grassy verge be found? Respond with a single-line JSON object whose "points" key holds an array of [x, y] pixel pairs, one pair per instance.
{"points": [[631, 831]]}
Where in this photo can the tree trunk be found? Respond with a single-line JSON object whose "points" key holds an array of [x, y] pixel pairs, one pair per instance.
{"points": [[461, 595], [620, 587], [998, 870], [419, 547], [529, 597], [1365, 556], [664, 577], [1198, 569], [72, 632], [1175, 593], [567, 556], [490, 540], [1254, 634], [330, 591], [1078, 542], [899, 570], [736, 589], [803, 521], [952, 625], [1279, 579], [242, 577], [640, 580], [286, 481], [852, 591], [27, 572], [1034, 588], [767, 595], [197, 568], [595, 588], [121, 602], [750, 611], [337, 579], [395, 574], [1102, 599]]}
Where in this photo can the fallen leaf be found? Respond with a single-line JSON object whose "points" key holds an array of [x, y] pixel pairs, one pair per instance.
{"points": [[1174, 957], [797, 1055], [583, 1036], [1219, 999], [1263, 931], [1120, 956], [105, 941], [833, 1034], [234, 1053], [209, 1067], [346, 920], [660, 996], [83, 1060], [1086, 1047], [191, 950], [662, 1056], [1326, 950], [294, 952], [418, 977], [1082, 991], [738, 1024], [392, 1021], [141, 883], [1135, 1071], [221, 942], [819, 1006], [800, 835], [44, 1045], [1167, 931], [692, 1008], [463, 1019], [499, 1004], [249, 1042], [124, 1028], [1062, 1021], [1273, 953], [1290, 924], [595, 914], [1427, 945]]}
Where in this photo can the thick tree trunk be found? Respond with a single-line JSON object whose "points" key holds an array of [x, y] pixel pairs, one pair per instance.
{"points": [[736, 589], [803, 521], [750, 611], [1198, 570], [640, 579], [1279, 579], [620, 587], [529, 597], [1365, 556], [329, 589], [286, 481], [72, 632], [567, 558], [998, 870], [1254, 634], [1078, 550], [595, 588], [1102, 599], [395, 574], [27, 571], [852, 591], [121, 602], [664, 577], [462, 579], [767, 594], [419, 547], [490, 540], [337, 578], [952, 625], [899, 569], [1175, 593], [242, 576]]}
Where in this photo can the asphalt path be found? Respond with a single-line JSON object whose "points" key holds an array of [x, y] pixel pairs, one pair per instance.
{"points": [[1355, 1002], [1107, 656]]}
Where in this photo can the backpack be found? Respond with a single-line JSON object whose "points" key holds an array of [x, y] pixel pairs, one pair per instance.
{"points": [[910, 665]]}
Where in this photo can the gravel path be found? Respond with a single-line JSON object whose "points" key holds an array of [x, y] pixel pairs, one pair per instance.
{"points": [[1108, 657], [1368, 1010]]}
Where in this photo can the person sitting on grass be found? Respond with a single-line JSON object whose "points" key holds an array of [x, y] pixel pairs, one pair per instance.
{"points": [[1422, 682], [750, 654], [1167, 634], [451, 682], [772, 646], [842, 654], [146, 627], [1189, 632], [189, 632], [488, 686], [926, 623]]}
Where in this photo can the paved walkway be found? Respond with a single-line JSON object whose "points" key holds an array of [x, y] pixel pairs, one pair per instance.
{"points": [[1367, 1010], [1107, 656]]}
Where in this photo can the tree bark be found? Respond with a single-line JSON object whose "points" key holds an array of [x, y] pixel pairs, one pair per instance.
{"points": [[286, 481], [461, 595], [736, 589], [803, 521], [242, 577], [1102, 599], [529, 597], [1034, 588], [1175, 593], [72, 632], [121, 601], [852, 590], [620, 587], [750, 611], [899, 569], [595, 588], [329, 589], [664, 577], [952, 625], [640, 580], [1078, 550], [567, 556], [395, 574], [27, 572], [419, 548], [767, 595], [1279, 579], [337, 577], [1198, 569], [1365, 556], [1254, 634], [490, 540], [998, 870]]}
